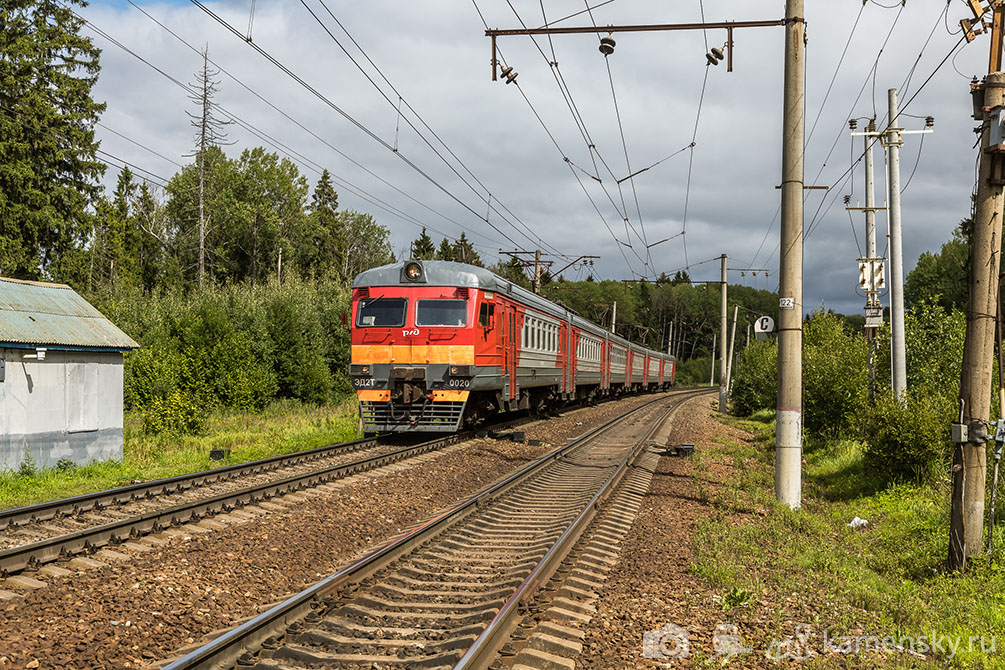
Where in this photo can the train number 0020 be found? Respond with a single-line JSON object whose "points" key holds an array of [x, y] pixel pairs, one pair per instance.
{"points": [[459, 383]]}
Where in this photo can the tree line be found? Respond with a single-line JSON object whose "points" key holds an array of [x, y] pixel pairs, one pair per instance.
{"points": [[220, 218], [260, 224]]}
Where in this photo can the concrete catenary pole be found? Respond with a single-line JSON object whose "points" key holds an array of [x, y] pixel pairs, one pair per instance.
{"points": [[788, 411], [872, 302], [711, 377], [969, 459], [732, 346], [614, 315], [722, 337], [899, 357]]}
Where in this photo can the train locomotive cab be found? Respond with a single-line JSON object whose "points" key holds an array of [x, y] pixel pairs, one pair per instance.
{"points": [[413, 346]]}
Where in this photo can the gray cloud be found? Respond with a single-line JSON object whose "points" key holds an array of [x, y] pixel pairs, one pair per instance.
{"points": [[437, 57]]}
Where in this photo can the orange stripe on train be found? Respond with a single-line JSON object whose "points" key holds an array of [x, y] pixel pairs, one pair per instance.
{"points": [[384, 395], [415, 354], [451, 396], [374, 395]]}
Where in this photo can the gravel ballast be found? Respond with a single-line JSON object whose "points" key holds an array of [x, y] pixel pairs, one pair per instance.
{"points": [[653, 587], [210, 576]]}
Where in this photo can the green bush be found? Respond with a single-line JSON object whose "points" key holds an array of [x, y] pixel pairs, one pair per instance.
{"points": [[908, 441], [177, 413], [835, 375], [695, 371], [755, 381], [232, 347]]}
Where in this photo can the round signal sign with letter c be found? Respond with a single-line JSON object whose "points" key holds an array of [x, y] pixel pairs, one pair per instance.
{"points": [[764, 324]]}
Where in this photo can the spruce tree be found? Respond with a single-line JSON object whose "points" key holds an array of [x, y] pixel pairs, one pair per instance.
{"points": [[464, 252], [423, 248], [323, 250], [446, 251], [48, 169]]}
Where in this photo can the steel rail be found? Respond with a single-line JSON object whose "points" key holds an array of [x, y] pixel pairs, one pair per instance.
{"points": [[499, 629], [98, 500], [225, 650], [16, 559]]}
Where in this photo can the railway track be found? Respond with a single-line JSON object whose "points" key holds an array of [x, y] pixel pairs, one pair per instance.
{"points": [[451, 592], [35, 535], [64, 508], [99, 527]]}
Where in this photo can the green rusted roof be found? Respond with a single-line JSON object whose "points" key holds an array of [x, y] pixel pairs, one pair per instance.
{"points": [[38, 313]]}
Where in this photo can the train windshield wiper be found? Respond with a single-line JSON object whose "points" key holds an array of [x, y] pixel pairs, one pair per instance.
{"points": [[368, 302]]}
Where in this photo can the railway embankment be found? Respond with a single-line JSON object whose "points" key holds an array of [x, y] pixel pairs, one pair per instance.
{"points": [[713, 572], [144, 600]]}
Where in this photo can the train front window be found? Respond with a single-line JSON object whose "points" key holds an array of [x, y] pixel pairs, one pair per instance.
{"points": [[441, 313], [381, 312]]}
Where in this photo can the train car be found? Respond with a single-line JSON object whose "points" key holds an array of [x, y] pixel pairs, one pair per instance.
{"points": [[438, 345]]}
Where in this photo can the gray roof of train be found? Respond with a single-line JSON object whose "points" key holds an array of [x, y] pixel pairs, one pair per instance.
{"points": [[448, 273]]}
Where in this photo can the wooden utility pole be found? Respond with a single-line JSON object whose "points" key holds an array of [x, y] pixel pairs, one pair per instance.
{"points": [[537, 271], [969, 470], [970, 458], [788, 412]]}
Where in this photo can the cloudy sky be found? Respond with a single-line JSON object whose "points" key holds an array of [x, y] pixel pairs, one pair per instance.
{"points": [[460, 137]]}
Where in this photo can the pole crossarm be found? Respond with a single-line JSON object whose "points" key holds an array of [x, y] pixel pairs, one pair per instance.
{"points": [[728, 26], [655, 27], [581, 258]]}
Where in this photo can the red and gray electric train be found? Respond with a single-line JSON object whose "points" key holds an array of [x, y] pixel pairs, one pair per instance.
{"points": [[439, 345]]}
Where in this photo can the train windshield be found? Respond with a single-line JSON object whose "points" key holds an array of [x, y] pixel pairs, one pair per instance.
{"points": [[441, 313], [381, 312]]}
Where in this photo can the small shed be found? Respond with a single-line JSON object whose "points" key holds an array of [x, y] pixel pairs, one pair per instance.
{"points": [[60, 377]]}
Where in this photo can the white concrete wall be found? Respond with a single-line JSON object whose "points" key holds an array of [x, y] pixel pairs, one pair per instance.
{"points": [[66, 406]]}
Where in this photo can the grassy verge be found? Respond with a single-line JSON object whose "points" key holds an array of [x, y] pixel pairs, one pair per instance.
{"points": [[280, 428], [884, 579]]}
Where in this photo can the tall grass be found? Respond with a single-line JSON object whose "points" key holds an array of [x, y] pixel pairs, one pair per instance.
{"points": [[281, 427]]}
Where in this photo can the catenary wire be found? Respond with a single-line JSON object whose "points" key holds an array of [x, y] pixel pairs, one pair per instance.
{"points": [[561, 152], [362, 127], [316, 136], [533, 238], [314, 166]]}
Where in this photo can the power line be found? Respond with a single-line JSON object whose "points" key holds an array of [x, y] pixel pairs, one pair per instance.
{"points": [[628, 163], [533, 238], [587, 138], [832, 191], [837, 69], [142, 146], [562, 153], [362, 127], [305, 161], [840, 132], [313, 134]]}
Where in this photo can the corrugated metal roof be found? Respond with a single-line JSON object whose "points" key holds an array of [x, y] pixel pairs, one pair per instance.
{"points": [[54, 314]]}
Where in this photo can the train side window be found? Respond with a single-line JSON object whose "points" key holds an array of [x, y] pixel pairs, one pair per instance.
{"points": [[486, 315]]}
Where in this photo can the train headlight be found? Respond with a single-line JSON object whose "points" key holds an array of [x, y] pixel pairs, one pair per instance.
{"points": [[413, 271]]}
